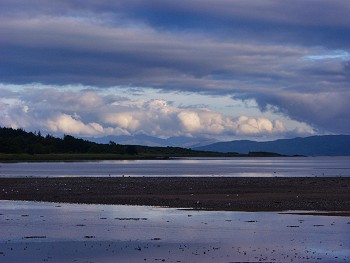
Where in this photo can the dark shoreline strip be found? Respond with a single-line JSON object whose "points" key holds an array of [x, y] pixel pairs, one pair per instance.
{"points": [[207, 193]]}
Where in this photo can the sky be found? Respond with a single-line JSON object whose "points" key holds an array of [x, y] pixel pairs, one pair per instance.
{"points": [[223, 69]]}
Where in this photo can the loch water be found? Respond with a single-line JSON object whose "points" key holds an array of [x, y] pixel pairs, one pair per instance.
{"points": [[52, 232], [213, 167]]}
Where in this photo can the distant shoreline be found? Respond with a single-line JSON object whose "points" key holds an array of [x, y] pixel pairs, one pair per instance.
{"points": [[100, 157], [221, 194]]}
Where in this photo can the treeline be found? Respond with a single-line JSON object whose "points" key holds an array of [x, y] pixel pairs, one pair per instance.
{"points": [[18, 141], [35, 146]]}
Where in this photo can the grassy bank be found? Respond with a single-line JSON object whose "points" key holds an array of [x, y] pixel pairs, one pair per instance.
{"points": [[66, 157], [23, 157]]}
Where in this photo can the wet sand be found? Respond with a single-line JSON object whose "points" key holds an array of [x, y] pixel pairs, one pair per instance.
{"points": [[231, 194]]}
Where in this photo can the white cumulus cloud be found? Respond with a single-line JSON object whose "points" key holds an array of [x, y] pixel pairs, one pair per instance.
{"points": [[190, 121], [96, 113], [69, 125]]}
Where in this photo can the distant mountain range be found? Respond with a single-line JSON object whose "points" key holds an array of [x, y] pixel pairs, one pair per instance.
{"points": [[146, 140], [327, 145]]}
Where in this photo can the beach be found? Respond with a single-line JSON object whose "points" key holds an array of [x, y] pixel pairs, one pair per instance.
{"points": [[174, 219], [202, 193]]}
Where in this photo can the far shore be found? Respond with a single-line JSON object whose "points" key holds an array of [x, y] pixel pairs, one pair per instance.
{"points": [[74, 157], [204, 193]]}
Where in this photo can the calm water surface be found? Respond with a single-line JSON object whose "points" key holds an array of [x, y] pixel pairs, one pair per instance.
{"points": [[258, 167], [49, 232]]}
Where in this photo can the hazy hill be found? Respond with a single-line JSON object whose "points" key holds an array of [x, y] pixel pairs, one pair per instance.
{"points": [[328, 145], [146, 140]]}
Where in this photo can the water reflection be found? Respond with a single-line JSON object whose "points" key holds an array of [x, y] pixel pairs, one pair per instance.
{"points": [[239, 167], [35, 232]]}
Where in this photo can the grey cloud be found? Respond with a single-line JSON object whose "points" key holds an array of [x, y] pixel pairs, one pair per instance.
{"points": [[138, 57], [325, 109], [248, 49]]}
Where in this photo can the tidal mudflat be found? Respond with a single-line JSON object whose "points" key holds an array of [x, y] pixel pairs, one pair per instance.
{"points": [[206, 193], [57, 232]]}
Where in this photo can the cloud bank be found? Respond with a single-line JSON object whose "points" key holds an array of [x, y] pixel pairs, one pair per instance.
{"points": [[93, 113]]}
